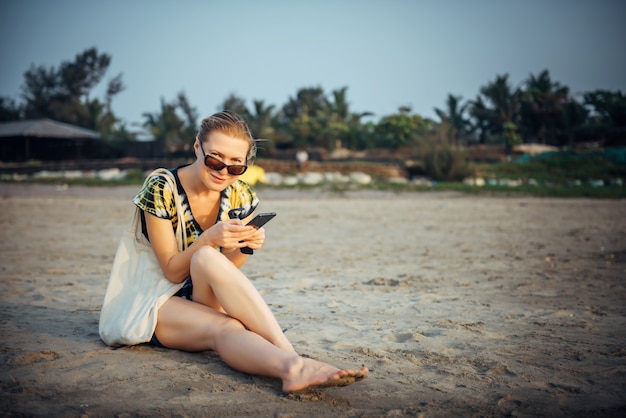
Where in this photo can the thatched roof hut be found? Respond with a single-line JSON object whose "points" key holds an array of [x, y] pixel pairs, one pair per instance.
{"points": [[42, 139]]}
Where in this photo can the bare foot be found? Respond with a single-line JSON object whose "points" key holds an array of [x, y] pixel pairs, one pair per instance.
{"points": [[306, 374]]}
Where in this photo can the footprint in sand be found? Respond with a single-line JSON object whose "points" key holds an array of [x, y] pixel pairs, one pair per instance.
{"points": [[36, 357], [501, 370], [403, 337], [434, 332]]}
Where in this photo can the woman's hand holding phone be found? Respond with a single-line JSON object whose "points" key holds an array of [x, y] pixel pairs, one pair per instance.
{"points": [[257, 239], [258, 222], [228, 235]]}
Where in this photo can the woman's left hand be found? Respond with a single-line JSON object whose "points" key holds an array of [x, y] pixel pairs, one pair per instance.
{"points": [[256, 240]]}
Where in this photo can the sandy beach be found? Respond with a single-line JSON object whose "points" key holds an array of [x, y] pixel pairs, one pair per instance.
{"points": [[459, 305]]}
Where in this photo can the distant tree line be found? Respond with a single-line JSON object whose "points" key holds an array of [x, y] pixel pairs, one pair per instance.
{"points": [[537, 110]]}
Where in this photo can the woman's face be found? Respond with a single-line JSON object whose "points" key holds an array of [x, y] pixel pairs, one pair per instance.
{"points": [[227, 149]]}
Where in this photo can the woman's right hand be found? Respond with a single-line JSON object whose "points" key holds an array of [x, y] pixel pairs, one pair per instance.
{"points": [[229, 234]]}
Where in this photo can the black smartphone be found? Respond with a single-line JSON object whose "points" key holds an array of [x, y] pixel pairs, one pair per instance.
{"points": [[257, 222], [261, 219]]}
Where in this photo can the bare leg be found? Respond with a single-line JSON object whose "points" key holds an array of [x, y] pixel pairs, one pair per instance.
{"points": [[191, 326], [219, 283]]}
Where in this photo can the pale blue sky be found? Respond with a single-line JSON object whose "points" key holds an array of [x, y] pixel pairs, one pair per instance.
{"points": [[389, 53]]}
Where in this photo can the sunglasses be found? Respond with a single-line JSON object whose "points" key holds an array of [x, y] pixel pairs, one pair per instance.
{"points": [[217, 165]]}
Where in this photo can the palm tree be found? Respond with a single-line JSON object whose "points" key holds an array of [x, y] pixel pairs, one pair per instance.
{"points": [[608, 114], [191, 119], [542, 108], [504, 113], [310, 101], [336, 119], [339, 106], [574, 120], [609, 107], [261, 122], [504, 101], [359, 135], [481, 119], [236, 104], [165, 126], [261, 119], [304, 117], [343, 127], [96, 117], [453, 118]]}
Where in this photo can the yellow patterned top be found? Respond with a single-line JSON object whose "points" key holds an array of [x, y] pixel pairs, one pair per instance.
{"points": [[157, 198]]}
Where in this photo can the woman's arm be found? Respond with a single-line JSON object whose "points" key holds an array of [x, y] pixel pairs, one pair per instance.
{"points": [[175, 264], [235, 256]]}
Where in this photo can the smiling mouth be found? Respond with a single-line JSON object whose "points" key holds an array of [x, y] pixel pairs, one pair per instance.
{"points": [[219, 179]]}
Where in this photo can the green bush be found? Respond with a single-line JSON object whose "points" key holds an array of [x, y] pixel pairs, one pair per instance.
{"points": [[446, 163], [565, 166]]}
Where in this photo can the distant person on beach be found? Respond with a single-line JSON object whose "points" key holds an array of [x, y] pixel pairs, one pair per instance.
{"points": [[218, 308], [301, 159]]}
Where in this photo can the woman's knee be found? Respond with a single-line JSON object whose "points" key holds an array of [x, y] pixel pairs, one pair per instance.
{"points": [[205, 259]]}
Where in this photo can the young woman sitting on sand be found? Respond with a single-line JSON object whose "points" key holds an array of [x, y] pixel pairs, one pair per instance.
{"points": [[218, 308]]}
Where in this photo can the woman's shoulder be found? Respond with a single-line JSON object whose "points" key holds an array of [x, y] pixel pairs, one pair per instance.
{"points": [[156, 196], [242, 191], [160, 175], [240, 195], [241, 185], [156, 183]]}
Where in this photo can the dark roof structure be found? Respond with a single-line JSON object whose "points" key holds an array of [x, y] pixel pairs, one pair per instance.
{"points": [[45, 140], [45, 128]]}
